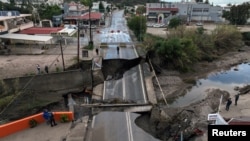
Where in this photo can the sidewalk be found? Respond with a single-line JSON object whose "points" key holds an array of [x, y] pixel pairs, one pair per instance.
{"points": [[71, 131]]}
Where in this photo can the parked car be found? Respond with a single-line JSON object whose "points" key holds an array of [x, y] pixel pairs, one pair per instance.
{"points": [[199, 24], [157, 25]]}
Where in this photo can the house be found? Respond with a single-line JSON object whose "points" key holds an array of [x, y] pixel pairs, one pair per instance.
{"points": [[94, 17], [74, 9], [187, 11], [95, 6], [13, 21]]}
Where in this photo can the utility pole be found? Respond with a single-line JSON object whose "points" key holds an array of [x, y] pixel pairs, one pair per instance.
{"points": [[90, 33], [62, 53], [78, 44]]}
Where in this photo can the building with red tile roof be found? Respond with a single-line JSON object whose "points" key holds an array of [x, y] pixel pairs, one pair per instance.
{"points": [[95, 18]]}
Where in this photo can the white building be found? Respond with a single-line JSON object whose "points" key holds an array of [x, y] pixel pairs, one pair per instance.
{"points": [[187, 11], [95, 6]]}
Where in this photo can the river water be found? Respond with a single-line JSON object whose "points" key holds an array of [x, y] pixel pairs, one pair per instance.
{"points": [[237, 76]]}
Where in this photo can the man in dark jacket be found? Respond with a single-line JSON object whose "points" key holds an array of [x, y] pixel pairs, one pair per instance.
{"points": [[49, 117], [229, 102], [236, 98]]}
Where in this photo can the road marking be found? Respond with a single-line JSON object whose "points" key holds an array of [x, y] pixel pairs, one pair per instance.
{"points": [[130, 134], [104, 92], [142, 83], [141, 77], [93, 122], [123, 88]]}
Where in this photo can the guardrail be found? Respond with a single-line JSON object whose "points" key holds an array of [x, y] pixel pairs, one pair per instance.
{"points": [[22, 124]]}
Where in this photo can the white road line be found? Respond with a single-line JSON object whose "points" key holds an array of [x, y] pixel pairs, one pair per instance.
{"points": [[130, 134], [93, 122], [142, 83], [104, 88], [141, 77], [123, 88]]}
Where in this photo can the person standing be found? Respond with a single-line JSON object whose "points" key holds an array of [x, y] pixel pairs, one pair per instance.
{"points": [[46, 69], [236, 98], [97, 51], [38, 69], [229, 102], [49, 117], [118, 49]]}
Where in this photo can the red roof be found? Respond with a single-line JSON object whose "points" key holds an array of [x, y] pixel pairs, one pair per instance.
{"points": [[93, 16], [164, 9], [41, 30]]}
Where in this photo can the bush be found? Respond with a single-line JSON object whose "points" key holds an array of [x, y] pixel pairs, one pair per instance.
{"points": [[64, 118], [32, 123]]}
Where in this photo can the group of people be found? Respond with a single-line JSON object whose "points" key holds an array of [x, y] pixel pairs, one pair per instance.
{"points": [[229, 101], [46, 69]]}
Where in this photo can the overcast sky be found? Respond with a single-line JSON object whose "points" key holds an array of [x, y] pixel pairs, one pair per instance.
{"points": [[217, 2]]}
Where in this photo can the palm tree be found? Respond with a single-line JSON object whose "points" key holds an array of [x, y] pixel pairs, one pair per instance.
{"points": [[89, 4]]}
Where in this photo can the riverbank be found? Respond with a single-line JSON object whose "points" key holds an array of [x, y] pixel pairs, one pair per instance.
{"points": [[174, 85]]}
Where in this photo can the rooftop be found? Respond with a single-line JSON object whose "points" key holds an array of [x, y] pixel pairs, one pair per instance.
{"points": [[41, 30]]}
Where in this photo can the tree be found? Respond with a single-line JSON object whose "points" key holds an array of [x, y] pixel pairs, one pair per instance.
{"points": [[174, 22], [141, 10], [138, 25], [90, 4], [108, 9], [206, 1], [181, 52], [101, 7], [48, 11], [238, 14], [227, 38]]}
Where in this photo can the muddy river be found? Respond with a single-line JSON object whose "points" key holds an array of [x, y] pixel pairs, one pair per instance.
{"points": [[237, 76]]}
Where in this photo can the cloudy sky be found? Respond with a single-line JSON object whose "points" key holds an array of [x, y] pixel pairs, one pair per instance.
{"points": [[217, 2]]}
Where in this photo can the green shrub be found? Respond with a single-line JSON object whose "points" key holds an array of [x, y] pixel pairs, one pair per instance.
{"points": [[64, 118], [57, 69], [32, 123]]}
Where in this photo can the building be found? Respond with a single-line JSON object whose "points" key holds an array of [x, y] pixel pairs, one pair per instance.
{"points": [[95, 6], [95, 18], [160, 12], [187, 11], [74, 9], [13, 21], [50, 2]]}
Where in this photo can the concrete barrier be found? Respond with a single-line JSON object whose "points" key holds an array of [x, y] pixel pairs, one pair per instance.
{"points": [[22, 124], [50, 82]]}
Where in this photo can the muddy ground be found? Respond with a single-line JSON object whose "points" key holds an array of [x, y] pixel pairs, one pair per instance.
{"points": [[166, 123]]}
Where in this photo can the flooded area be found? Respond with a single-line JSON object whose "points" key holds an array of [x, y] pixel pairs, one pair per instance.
{"points": [[237, 76]]}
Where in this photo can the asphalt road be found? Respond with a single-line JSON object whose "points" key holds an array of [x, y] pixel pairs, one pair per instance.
{"points": [[130, 87], [114, 126], [118, 126]]}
